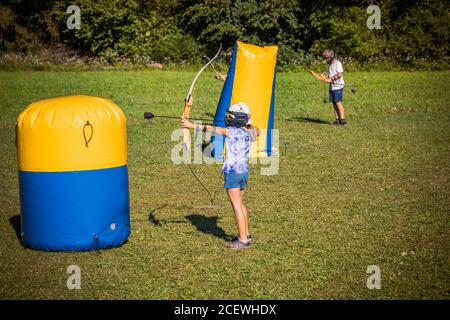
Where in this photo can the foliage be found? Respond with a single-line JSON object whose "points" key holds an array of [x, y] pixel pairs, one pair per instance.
{"points": [[114, 29], [413, 34]]}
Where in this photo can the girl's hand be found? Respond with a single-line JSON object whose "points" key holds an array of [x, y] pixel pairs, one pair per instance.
{"points": [[258, 132], [186, 124], [254, 132], [328, 80]]}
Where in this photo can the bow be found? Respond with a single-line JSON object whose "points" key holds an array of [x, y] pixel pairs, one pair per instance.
{"points": [[186, 110], [320, 77], [188, 103]]}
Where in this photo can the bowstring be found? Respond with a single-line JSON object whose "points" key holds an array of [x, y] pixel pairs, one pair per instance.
{"points": [[211, 63], [211, 198], [187, 149]]}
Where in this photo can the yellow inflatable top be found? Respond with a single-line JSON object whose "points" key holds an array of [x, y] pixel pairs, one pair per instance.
{"points": [[253, 84], [71, 133]]}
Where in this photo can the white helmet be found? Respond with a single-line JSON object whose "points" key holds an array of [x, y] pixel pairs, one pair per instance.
{"points": [[241, 107]]}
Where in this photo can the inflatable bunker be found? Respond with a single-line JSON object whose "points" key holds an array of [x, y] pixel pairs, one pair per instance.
{"points": [[250, 79], [73, 175]]}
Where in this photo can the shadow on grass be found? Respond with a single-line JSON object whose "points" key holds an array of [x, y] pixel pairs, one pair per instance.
{"points": [[208, 225], [308, 119], [152, 218], [159, 222], [14, 221]]}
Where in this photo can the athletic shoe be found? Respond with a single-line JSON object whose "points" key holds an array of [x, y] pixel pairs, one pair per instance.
{"points": [[249, 238], [238, 244], [343, 122], [337, 122]]}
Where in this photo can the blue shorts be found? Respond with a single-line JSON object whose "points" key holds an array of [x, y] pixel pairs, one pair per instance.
{"points": [[336, 95], [235, 180]]}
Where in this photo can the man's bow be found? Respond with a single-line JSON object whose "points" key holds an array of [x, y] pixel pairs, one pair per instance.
{"points": [[320, 77]]}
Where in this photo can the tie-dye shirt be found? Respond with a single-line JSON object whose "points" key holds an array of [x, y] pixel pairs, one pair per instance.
{"points": [[237, 144]]}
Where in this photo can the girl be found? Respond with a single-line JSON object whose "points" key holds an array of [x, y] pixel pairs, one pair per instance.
{"points": [[239, 135]]}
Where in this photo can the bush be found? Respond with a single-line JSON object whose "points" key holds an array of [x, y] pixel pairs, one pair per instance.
{"points": [[414, 33]]}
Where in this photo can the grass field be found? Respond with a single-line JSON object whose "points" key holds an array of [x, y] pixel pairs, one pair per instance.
{"points": [[373, 193]]}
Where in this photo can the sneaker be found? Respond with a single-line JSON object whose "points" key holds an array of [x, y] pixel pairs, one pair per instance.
{"points": [[238, 244], [337, 122], [249, 238], [343, 122]]}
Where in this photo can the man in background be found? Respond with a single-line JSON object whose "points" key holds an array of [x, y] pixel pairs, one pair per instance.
{"points": [[336, 80]]}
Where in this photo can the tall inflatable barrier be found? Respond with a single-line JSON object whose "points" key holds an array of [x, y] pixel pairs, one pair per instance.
{"points": [[73, 175], [251, 79]]}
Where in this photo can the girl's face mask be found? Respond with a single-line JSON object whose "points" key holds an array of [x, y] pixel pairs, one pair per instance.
{"points": [[236, 119]]}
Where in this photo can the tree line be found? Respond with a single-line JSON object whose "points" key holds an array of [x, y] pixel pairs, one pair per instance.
{"points": [[412, 34]]}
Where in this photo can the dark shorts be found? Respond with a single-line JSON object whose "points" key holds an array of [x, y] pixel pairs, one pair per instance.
{"points": [[235, 180], [336, 95]]}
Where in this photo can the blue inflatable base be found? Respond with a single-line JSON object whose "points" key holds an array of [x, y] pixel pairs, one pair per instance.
{"points": [[75, 210]]}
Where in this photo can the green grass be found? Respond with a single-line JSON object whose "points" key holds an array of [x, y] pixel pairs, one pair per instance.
{"points": [[373, 193]]}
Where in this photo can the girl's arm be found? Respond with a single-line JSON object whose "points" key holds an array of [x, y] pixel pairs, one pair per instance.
{"points": [[185, 123]]}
